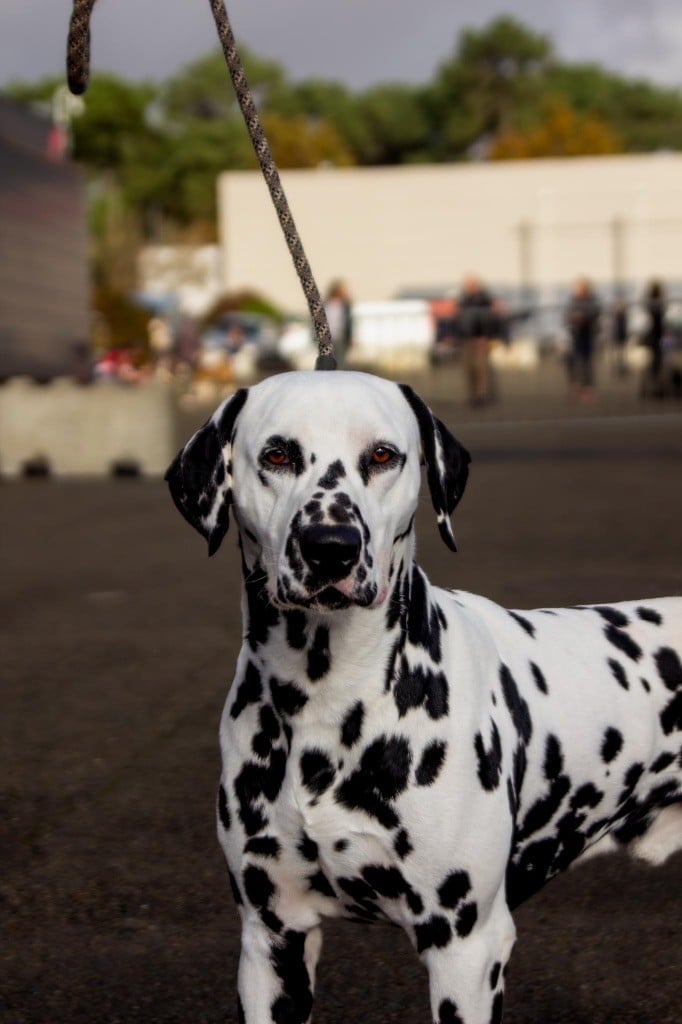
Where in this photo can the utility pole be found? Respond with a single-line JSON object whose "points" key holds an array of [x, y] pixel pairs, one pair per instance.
{"points": [[618, 227], [525, 236]]}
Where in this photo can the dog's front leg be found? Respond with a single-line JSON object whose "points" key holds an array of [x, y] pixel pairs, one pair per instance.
{"points": [[277, 973], [466, 976]]}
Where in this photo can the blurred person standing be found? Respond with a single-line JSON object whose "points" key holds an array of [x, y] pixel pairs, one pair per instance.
{"points": [[619, 333], [478, 323], [188, 344], [655, 306], [161, 346], [338, 308], [582, 317]]}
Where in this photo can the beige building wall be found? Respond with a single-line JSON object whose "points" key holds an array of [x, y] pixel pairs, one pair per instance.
{"points": [[539, 222]]}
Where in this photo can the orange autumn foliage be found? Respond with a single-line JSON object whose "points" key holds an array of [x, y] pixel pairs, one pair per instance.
{"points": [[563, 131]]}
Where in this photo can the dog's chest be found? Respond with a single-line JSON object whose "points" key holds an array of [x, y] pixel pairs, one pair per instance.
{"points": [[356, 864], [346, 860]]}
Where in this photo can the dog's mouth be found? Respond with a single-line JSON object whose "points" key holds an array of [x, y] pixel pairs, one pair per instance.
{"points": [[332, 599]]}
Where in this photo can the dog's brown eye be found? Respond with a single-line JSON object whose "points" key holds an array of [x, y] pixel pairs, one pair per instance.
{"points": [[277, 457], [380, 456]]}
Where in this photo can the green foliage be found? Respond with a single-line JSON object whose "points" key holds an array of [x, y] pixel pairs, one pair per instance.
{"points": [[501, 93], [396, 123], [202, 91], [320, 100], [562, 131], [645, 116], [494, 75]]}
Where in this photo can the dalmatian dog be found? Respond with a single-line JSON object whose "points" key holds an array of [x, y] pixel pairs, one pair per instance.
{"points": [[392, 750]]}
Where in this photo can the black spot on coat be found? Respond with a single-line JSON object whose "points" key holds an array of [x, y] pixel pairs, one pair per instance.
{"points": [[623, 641], [447, 1013], [263, 846], [382, 774], [539, 678], [262, 616], [524, 623], [554, 760], [269, 731], [335, 471], [662, 762], [423, 621], [320, 883], [545, 807], [619, 673], [431, 763], [650, 615], [402, 844], [671, 715], [669, 667], [611, 745], [260, 889], [255, 781], [453, 890], [517, 705], [352, 725], [318, 654], [418, 686], [249, 691], [612, 615], [317, 771], [295, 1004], [489, 759], [586, 795], [467, 917], [386, 881], [223, 809], [436, 931], [295, 626], [287, 697], [307, 847]]}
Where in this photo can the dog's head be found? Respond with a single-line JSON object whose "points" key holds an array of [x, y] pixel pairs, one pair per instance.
{"points": [[322, 471]]}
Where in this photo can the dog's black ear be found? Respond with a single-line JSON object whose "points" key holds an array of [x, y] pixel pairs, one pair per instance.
{"points": [[447, 463], [200, 476]]}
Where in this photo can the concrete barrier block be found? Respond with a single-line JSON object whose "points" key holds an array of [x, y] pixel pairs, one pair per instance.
{"points": [[86, 431]]}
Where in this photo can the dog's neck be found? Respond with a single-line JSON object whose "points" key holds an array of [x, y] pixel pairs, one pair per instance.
{"points": [[338, 651]]}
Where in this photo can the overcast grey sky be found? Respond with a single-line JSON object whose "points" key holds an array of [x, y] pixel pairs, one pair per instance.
{"points": [[357, 41]]}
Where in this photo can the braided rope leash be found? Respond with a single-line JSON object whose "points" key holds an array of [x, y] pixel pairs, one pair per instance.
{"points": [[78, 69]]}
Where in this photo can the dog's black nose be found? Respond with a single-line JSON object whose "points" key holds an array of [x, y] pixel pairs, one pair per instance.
{"points": [[331, 551]]}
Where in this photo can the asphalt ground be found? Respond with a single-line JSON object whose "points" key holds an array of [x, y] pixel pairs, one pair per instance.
{"points": [[118, 640]]}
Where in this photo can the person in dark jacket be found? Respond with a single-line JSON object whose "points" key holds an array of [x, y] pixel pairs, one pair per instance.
{"points": [[582, 318], [619, 333], [655, 305], [478, 323]]}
